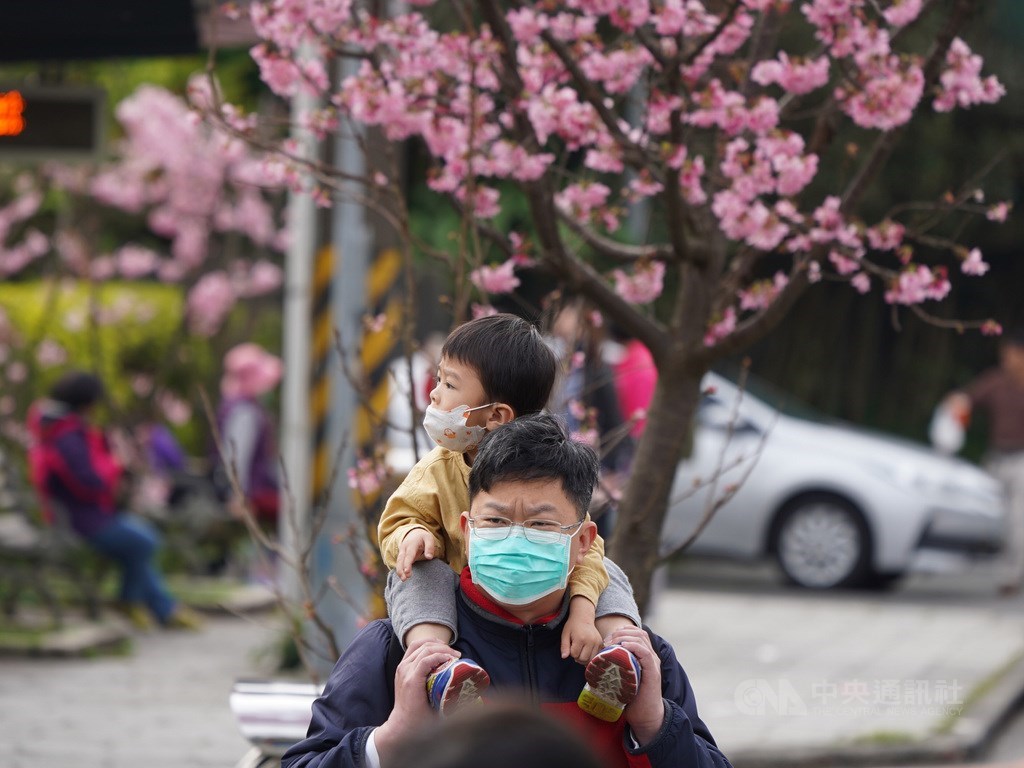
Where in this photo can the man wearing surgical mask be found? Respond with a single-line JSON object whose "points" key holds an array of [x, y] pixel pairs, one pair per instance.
{"points": [[525, 530]]}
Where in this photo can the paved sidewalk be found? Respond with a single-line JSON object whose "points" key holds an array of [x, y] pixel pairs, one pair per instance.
{"points": [[782, 680], [802, 679], [163, 706]]}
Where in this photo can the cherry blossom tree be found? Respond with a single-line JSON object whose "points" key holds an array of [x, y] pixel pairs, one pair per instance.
{"points": [[746, 133], [177, 204]]}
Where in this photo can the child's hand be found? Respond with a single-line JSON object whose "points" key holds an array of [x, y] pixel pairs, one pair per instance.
{"points": [[580, 638], [418, 544]]}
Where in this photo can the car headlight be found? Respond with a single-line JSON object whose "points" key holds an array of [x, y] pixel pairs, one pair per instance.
{"points": [[912, 477], [953, 480]]}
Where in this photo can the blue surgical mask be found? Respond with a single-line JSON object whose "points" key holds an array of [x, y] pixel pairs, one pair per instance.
{"points": [[517, 571]]}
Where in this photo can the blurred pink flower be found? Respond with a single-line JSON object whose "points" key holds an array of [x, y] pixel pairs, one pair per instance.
{"points": [[209, 303], [499, 279], [176, 410], [17, 372], [264, 277], [482, 310], [643, 286], [49, 353], [134, 261]]}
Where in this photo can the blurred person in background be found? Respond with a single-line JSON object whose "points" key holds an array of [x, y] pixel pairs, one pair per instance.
{"points": [[635, 376], [999, 393], [586, 399], [247, 453], [499, 735], [77, 477]]}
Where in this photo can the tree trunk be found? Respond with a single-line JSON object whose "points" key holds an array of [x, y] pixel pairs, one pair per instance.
{"points": [[635, 544]]}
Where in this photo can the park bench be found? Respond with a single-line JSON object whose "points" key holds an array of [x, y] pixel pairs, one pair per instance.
{"points": [[33, 555]]}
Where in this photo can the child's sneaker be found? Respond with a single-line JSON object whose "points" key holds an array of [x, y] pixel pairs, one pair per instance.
{"points": [[613, 679], [455, 684]]}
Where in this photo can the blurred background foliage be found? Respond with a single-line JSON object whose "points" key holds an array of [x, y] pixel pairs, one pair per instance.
{"points": [[852, 357]]}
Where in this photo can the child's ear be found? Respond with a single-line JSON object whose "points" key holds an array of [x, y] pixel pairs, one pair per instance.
{"points": [[500, 414]]}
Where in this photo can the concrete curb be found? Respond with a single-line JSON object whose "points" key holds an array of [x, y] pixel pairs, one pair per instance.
{"points": [[77, 637], [968, 736]]}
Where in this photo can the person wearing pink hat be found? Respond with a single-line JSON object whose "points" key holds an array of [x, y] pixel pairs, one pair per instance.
{"points": [[248, 449]]}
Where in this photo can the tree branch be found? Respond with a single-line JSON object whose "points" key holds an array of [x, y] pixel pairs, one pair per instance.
{"points": [[618, 251], [756, 326]]}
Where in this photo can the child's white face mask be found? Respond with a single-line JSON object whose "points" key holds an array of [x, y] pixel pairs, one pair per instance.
{"points": [[450, 430]]}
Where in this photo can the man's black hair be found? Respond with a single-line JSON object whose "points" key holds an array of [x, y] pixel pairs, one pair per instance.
{"points": [[77, 390], [515, 365], [536, 448]]}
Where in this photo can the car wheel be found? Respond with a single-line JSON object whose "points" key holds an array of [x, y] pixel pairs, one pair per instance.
{"points": [[822, 542]]}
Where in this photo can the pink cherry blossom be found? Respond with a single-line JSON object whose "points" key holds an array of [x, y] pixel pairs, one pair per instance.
{"points": [[587, 436], [644, 285], [902, 12], [719, 330], [49, 354], [209, 302], [482, 310], [762, 293], [861, 282], [366, 477], [134, 261], [961, 83], [264, 277], [886, 236], [174, 409], [580, 200], [973, 263], [998, 212], [917, 284], [793, 76], [494, 280]]}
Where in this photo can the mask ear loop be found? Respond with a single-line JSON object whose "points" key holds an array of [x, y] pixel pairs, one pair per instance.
{"points": [[477, 408]]}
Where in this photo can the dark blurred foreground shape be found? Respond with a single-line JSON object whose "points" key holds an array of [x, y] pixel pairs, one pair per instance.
{"points": [[507, 735], [63, 30]]}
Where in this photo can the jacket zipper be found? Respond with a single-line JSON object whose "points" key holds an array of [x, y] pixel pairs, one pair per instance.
{"points": [[531, 667]]}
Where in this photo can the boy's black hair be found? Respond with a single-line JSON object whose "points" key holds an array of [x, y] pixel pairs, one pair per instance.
{"points": [[514, 363], [536, 448], [77, 390]]}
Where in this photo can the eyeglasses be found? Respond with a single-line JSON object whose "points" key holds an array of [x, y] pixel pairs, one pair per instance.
{"points": [[498, 528]]}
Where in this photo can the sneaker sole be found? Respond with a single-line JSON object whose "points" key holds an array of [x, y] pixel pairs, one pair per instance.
{"points": [[466, 685], [612, 677]]}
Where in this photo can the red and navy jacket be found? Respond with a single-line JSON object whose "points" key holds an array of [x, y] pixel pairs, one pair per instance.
{"points": [[71, 465], [520, 659]]}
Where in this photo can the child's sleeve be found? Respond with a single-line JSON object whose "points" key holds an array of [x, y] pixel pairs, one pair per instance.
{"points": [[589, 579], [413, 505], [426, 597], [618, 597]]}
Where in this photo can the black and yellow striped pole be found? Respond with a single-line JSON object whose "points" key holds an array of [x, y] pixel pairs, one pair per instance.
{"points": [[380, 345], [378, 349], [322, 323]]}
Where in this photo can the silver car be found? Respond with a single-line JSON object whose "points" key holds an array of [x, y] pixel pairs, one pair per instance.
{"points": [[836, 506]]}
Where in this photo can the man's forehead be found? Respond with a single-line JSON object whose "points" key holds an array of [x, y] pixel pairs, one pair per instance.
{"points": [[530, 496]]}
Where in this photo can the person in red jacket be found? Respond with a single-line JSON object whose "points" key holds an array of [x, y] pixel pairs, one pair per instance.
{"points": [[76, 475]]}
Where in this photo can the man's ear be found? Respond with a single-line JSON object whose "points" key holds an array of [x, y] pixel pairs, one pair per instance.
{"points": [[464, 527], [586, 536], [500, 413]]}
